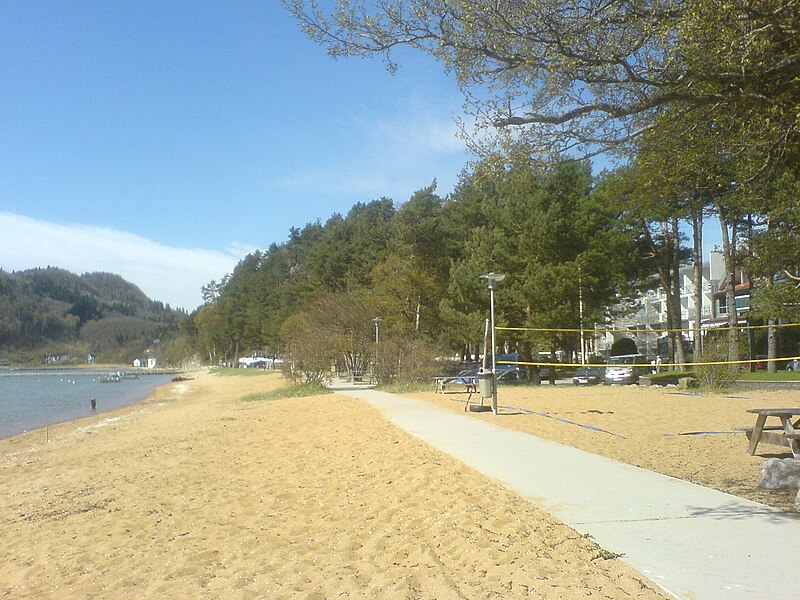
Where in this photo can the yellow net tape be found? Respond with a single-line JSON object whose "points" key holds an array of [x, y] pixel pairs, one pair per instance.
{"points": [[545, 330], [662, 366]]}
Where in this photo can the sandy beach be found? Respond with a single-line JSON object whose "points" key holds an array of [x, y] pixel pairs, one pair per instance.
{"points": [[197, 493]]}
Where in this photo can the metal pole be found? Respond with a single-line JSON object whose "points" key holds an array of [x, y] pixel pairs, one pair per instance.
{"points": [[494, 366], [580, 316], [492, 279], [377, 337]]}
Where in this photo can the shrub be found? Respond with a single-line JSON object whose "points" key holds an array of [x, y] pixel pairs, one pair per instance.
{"points": [[716, 375], [404, 360]]}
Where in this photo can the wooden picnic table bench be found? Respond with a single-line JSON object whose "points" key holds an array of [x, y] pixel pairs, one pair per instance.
{"points": [[442, 383], [785, 434]]}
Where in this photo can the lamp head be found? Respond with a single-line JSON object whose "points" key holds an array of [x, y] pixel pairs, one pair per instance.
{"points": [[493, 278]]}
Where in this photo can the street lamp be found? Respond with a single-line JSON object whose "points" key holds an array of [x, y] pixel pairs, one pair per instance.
{"points": [[377, 321], [492, 279]]}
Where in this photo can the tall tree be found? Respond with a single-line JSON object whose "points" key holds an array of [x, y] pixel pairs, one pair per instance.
{"points": [[543, 228]]}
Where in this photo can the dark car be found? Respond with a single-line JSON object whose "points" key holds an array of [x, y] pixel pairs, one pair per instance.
{"points": [[588, 375], [517, 376], [465, 377]]}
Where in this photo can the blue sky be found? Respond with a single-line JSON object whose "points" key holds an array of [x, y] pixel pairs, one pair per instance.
{"points": [[164, 141]]}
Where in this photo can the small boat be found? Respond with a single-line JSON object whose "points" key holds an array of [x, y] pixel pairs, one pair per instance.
{"points": [[123, 375], [112, 378]]}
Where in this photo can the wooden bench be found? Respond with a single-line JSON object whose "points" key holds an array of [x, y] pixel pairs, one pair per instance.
{"points": [[442, 383]]}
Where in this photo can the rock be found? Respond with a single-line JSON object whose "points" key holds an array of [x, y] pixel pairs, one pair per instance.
{"points": [[780, 474], [687, 382]]}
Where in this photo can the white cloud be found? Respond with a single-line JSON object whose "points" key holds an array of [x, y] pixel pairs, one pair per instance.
{"points": [[170, 275], [396, 156]]}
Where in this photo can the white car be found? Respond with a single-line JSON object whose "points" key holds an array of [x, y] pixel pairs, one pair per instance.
{"points": [[626, 368]]}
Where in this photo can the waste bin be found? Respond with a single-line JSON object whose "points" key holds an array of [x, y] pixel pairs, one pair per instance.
{"points": [[485, 380]]}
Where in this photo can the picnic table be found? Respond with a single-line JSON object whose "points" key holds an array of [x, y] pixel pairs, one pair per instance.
{"points": [[470, 384], [785, 434]]}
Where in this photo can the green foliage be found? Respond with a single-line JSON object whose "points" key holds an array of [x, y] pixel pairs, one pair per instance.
{"points": [[309, 353], [553, 239], [716, 375], [232, 372], [766, 376], [572, 78], [293, 391], [53, 311], [404, 359], [406, 387]]}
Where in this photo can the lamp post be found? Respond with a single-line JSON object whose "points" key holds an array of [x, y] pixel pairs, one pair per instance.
{"points": [[580, 317], [377, 321], [492, 279]]}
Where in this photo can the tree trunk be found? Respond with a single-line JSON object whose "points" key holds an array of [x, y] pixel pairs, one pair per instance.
{"points": [[676, 292], [772, 346], [772, 337], [728, 229], [661, 254], [697, 257], [772, 331]]}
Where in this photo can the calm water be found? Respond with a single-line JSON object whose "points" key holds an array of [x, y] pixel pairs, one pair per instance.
{"points": [[33, 399]]}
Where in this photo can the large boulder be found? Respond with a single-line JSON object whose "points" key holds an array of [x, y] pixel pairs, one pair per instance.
{"points": [[780, 474]]}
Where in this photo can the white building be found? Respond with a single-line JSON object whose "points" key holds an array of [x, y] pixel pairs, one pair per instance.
{"points": [[647, 322]]}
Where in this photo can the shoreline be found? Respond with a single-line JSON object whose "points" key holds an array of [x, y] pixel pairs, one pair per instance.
{"points": [[22, 372], [94, 414]]}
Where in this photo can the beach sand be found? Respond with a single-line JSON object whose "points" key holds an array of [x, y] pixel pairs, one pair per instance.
{"points": [[197, 493]]}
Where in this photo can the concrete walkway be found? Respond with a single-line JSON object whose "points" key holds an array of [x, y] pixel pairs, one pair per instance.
{"points": [[692, 541]]}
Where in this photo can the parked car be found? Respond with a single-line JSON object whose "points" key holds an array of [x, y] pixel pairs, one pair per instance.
{"points": [[626, 368], [465, 377], [793, 365], [588, 376], [516, 376]]}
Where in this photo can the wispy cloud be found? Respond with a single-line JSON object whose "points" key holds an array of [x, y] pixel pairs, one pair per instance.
{"points": [[171, 275], [399, 152]]}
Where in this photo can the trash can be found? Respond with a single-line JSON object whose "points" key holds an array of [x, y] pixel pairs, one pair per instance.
{"points": [[485, 380]]}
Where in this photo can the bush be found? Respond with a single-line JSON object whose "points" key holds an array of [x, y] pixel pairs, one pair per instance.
{"points": [[405, 360], [716, 375]]}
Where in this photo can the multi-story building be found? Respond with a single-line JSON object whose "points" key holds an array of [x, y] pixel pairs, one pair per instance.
{"points": [[646, 322]]}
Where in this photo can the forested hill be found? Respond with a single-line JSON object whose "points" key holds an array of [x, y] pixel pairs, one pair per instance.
{"points": [[54, 311]]}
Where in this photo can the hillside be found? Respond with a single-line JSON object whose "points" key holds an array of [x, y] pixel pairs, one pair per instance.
{"points": [[52, 311]]}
